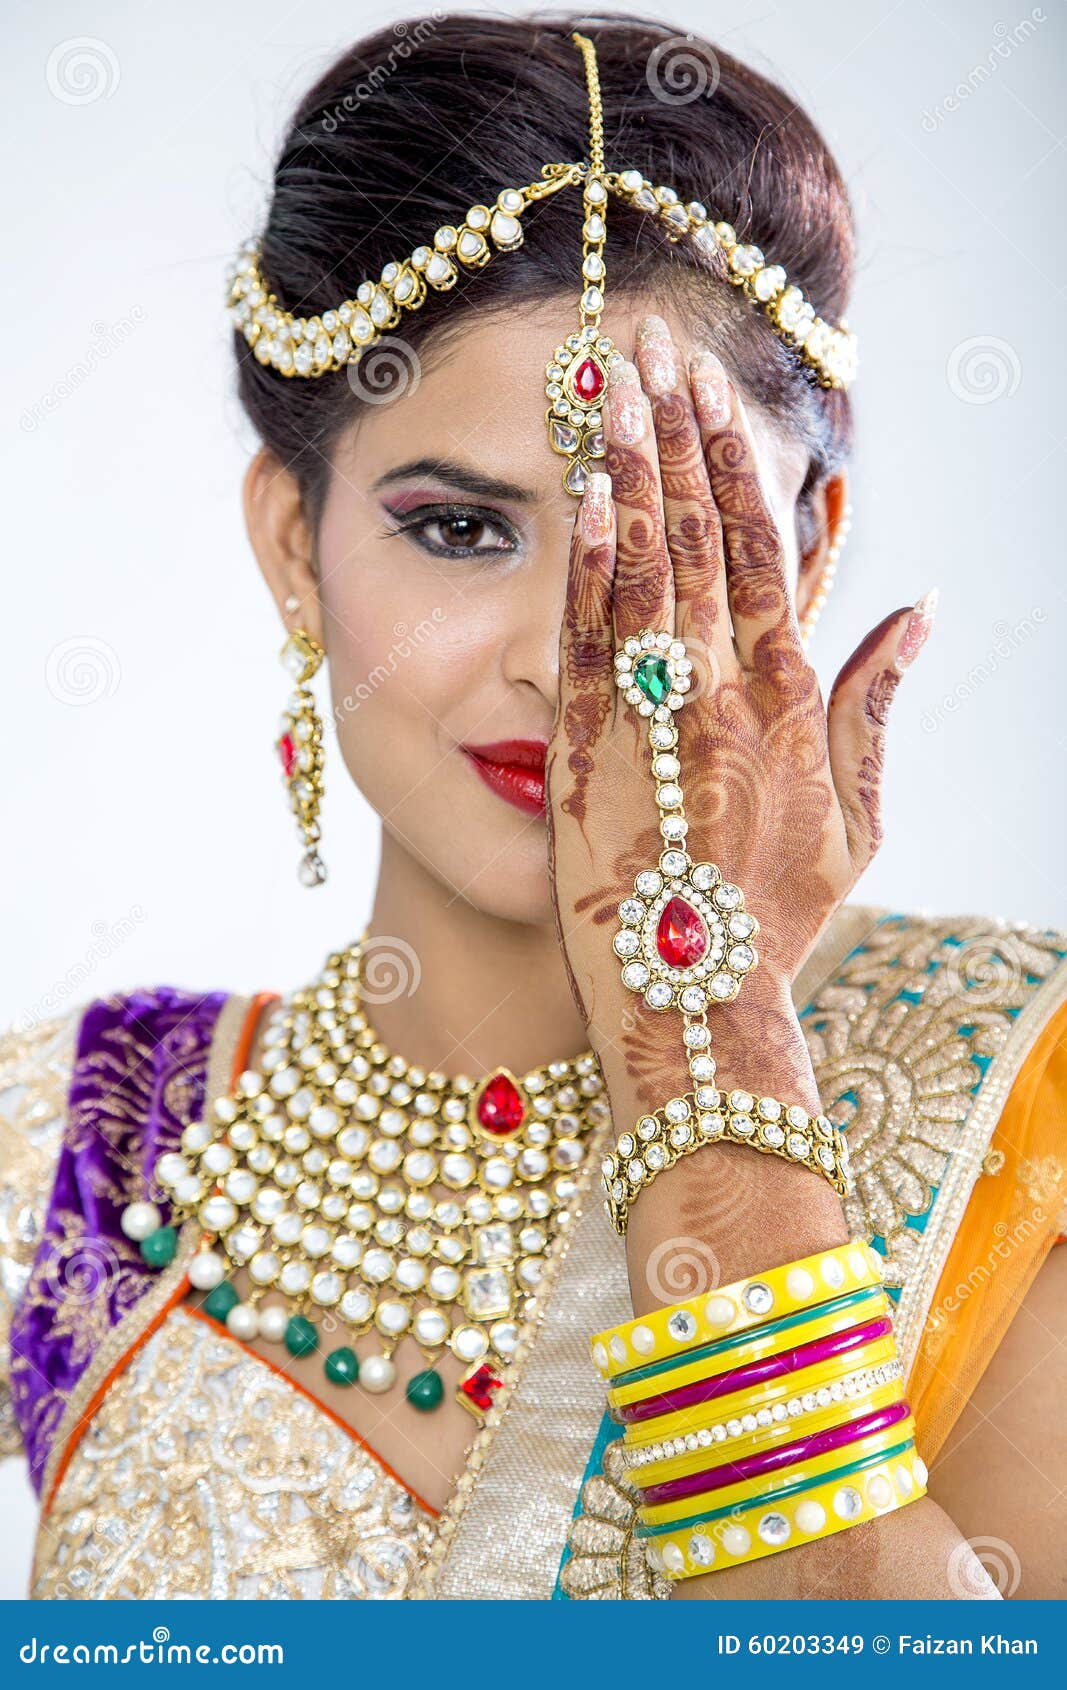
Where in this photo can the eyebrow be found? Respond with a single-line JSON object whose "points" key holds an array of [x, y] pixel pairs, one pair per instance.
{"points": [[456, 475]]}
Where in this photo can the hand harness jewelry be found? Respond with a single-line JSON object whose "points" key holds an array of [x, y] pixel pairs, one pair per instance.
{"points": [[329, 340], [687, 942], [367, 1191]]}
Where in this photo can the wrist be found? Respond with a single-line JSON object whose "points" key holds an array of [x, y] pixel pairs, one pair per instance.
{"points": [[758, 1045], [756, 1042], [726, 1211]]}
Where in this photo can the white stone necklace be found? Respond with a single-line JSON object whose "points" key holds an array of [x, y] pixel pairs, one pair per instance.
{"points": [[353, 1184]]}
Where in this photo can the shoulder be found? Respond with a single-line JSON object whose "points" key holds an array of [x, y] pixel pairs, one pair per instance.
{"points": [[977, 959], [109, 1044]]}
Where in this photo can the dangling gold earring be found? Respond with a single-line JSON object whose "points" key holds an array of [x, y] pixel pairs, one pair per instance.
{"points": [[300, 749], [826, 579]]}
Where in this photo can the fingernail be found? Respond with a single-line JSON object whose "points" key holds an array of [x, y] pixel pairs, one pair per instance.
{"points": [[711, 389], [656, 349], [596, 508], [626, 404], [916, 630]]}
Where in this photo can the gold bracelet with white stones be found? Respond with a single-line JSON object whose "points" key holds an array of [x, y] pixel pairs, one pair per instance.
{"points": [[709, 1116]]}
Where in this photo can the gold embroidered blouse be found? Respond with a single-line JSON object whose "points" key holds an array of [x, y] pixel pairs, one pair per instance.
{"points": [[203, 1472]]}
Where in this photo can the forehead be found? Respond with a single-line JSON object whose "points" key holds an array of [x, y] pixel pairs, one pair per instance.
{"points": [[477, 398]]}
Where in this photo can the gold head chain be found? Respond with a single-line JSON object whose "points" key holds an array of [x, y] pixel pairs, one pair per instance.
{"points": [[576, 375]]}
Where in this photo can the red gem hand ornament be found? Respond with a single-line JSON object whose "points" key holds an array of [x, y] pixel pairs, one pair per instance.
{"points": [[686, 937]]}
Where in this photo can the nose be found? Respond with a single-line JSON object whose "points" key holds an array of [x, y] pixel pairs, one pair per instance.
{"points": [[534, 615]]}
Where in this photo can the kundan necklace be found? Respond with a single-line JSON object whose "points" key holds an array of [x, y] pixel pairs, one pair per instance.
{"points": [[356, 1187]]}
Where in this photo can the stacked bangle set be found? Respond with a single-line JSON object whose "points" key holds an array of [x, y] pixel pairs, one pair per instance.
{"points": [[764, 1414], [686, 942]]}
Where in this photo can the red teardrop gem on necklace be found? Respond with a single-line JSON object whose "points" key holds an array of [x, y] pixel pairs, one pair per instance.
{"points": [[287, 753], [588, 381], [681, 937], [500, 1108]]}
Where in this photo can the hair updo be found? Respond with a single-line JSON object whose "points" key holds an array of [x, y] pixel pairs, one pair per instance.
{"points": [[417, 122]]}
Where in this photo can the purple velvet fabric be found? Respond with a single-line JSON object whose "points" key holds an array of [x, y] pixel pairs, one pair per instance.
{"points": [[138, 1080]]}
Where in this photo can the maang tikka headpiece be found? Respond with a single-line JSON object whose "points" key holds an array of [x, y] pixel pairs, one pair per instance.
{"points": [[576, 375]]}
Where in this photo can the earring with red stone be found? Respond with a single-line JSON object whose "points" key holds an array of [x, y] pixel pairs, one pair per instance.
{"points": [[299, 747]]}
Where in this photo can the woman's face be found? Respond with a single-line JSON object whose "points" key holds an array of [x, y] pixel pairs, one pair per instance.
{"points": [[442, 562]]}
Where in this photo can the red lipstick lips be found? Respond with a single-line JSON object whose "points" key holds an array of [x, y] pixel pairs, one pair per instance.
{"points": [[514, 769]]}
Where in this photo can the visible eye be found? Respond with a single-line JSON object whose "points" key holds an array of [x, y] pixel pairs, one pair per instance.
{"points": [[456, 531]]}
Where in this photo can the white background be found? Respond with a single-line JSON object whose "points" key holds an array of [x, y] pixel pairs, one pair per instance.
{"points": [[148, 836]]}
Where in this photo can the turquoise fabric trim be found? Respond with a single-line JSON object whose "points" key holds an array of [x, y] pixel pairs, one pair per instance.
{"points": [[950, 943], [607, 1430]]}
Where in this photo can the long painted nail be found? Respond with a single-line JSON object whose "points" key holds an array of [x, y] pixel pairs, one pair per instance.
{"points": [[596, 508], [711, 389], [626, 404], [916, 630], [656, 350]]}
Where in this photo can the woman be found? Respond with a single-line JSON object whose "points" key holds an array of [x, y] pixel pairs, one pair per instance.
{"points": [[301, 1290]]}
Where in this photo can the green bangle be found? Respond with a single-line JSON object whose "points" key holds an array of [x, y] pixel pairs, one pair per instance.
{"points": [[776, 1495], [722, 1345]]}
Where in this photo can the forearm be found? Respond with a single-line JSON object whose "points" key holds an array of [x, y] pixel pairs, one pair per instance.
{"points": [[726, 1212]]}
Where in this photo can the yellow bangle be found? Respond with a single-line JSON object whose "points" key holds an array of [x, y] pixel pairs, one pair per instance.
{"points": [[739, 1307], [756, 1348], [804, 1518], [767, 1438], [762, 1399], [769, 1485]]}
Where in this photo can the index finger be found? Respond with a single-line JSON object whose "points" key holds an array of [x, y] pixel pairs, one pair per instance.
{"points": [[644, 580]]}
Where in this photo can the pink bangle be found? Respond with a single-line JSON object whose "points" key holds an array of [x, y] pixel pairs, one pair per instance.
{"points": [[755, 1372], [770, 1460]]}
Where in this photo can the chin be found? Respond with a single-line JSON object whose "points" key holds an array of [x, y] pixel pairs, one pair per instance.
{"points": [[506, 880]]}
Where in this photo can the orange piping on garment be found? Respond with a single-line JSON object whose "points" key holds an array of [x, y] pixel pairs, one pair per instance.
{"points": [[319, 1404], [1032, 1129], [240, 1061]]}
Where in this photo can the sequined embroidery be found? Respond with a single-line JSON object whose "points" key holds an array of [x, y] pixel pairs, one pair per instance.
{"points": [[915, 1040], [204, 1474], [34, 1073]]}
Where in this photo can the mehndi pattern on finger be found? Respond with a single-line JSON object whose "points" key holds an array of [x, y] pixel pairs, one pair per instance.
{"points": [[686, 942]]}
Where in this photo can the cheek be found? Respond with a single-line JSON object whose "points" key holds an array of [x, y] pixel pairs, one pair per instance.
{"points": [[410, 651]]}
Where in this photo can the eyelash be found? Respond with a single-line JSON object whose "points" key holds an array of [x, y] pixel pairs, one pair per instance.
{"points": [[415, 524]]}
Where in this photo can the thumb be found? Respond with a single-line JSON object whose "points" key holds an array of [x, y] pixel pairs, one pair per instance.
{"points": [[857, 715]]}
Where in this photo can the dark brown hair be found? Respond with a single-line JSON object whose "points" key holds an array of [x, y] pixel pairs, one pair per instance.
{"points": [[418, 122]]}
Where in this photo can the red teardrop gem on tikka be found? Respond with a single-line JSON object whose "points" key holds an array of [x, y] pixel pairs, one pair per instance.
{"points": [[588, 381], [287, 753], [681, 937], [500, 1108]]}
